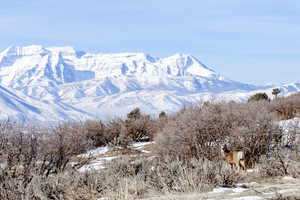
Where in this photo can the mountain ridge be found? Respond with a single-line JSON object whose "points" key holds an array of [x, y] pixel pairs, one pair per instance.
{"points": [[74, 85]]}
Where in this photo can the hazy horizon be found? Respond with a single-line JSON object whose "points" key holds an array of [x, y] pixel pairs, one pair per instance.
{"points": [[253, 42]]}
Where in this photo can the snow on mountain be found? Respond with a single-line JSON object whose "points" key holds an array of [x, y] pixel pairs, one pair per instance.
{"points": [[38, 71], [14, 104], [71, 84]]}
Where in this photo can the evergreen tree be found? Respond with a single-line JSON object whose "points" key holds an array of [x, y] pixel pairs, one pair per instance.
{"points": [[134, 114], [275, 92], [258, 97], [162, 115]]}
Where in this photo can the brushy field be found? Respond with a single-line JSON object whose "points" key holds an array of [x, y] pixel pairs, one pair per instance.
{"points": [[38, 163]]}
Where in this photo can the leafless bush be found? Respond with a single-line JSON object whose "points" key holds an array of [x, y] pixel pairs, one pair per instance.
{"points": [[194, 133], [70, 186], [199, 175], [279, 163], [140, 129], [271, 167], [198, 132], [119, 132], [287, 107], [103, 133], [255, 130], [28, 154], [122, 179]]}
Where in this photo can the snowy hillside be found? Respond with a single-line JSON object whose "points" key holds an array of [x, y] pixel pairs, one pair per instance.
{"points": [[58, 83]]}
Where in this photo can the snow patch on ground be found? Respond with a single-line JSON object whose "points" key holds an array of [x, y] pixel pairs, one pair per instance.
{"points": [[96, 164], [99, 153], [291, 123], [239, 190], [288, 178], [247, 198], [95, 152]]}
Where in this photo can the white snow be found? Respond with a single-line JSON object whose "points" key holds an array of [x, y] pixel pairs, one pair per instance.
{"points": [[61, 83], [140, 145], [226, 190], [247, 198], [95, 152], [290, 191], [288, 178], [98, 162], [220, 190], [290, 130], [290, 124], [239, 190]]}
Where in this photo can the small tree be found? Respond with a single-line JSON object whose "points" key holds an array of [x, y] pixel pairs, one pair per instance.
{"points": [[162, 115], [134, 114], [275, 92], [258, 97]]}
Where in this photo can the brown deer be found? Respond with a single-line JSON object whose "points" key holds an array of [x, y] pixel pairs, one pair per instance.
{"points": [[235, 157]]}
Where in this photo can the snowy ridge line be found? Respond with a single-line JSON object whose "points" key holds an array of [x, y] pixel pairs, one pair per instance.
{"points": [[61, 83]]}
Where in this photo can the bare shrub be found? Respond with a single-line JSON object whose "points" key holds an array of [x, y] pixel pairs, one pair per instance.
{"points": [[272, 167], [255, 130], [97, 132], [199, 132], [123, 167], [140, 129], [119, 132], [194, 133], [137, 178], [199, 175], [30, 154], [287, 107], [128, 188], [58, 146], [279, 163], [103, 134], [61, 187]]}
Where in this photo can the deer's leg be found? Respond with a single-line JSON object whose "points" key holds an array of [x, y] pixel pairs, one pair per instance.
{"points": [[237, 166], [242, 164]]}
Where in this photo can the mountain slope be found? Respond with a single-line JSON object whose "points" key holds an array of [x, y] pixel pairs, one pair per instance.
{"points": [[33, 68], [72, 84], [14, 104]]}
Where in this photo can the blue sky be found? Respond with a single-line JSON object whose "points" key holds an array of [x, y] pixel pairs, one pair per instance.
{"points": [[255, 41]]}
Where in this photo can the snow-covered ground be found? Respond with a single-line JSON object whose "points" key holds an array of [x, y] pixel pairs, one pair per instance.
{"points": [[285, 186], [290, 124], [99, 158], [290, 129]]}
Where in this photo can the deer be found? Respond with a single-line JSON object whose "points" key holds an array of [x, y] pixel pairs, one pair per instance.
{"points": [[235, 157]]}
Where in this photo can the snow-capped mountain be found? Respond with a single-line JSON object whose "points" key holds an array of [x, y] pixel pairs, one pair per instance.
{"points": [[70, 84]]}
